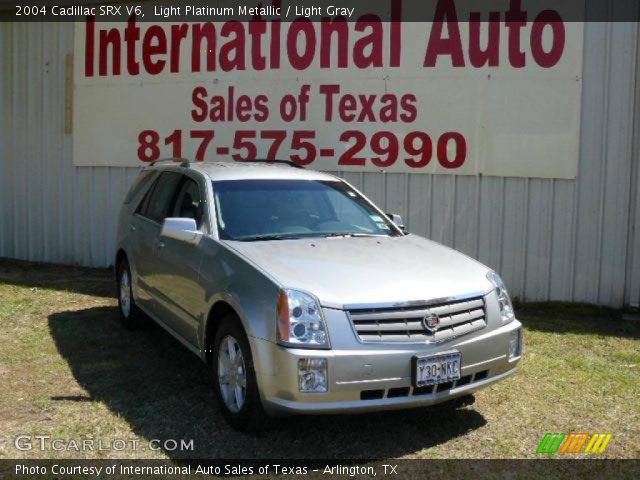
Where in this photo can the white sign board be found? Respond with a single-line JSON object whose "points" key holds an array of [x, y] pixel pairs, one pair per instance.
{"points": [[442, 97]]}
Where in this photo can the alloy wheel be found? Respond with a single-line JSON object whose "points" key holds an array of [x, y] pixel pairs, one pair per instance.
{"points": [[232, 374], [125, 293]]}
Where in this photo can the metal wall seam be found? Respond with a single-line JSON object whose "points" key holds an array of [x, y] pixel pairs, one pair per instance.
{"points": [[632, 272], [592, 132], [4, 132], [618, 168]]}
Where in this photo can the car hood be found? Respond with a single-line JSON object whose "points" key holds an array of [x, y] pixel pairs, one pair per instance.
{"points": [[350, 271]]}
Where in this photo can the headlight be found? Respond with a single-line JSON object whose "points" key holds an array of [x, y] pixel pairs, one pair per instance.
{"points": [[506, 308], [300, 320]]}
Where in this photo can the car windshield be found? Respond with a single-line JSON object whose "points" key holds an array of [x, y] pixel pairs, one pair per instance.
{"points": [[253, 210]]}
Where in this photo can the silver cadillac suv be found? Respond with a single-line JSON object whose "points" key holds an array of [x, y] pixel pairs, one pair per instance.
{"points": [[302, 296]]}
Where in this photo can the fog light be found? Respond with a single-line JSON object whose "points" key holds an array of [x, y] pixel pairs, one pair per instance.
{"points": [[312, 375], [515, 344]]}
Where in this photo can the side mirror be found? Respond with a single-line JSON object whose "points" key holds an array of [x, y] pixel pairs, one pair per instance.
{"points": [[397, 219], [183, 229]]}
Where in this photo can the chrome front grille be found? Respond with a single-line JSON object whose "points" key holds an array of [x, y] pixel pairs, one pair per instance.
{"points": [[405, 324]]}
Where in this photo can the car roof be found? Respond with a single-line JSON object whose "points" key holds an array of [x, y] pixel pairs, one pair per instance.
{"points": [[249, 171]]}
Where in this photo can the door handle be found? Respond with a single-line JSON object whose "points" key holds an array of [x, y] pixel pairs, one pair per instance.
{"points": [[132, 228], [159, 244]]}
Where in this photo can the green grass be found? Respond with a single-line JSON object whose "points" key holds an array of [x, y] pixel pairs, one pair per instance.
{"points": [[69, 370]]}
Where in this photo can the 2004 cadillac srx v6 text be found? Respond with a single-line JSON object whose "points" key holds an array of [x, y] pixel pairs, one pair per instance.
{"points": [[302, 296]]}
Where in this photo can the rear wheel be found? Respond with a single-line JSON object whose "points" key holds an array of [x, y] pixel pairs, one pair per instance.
{"points": [[234, 378], [130, 315]]}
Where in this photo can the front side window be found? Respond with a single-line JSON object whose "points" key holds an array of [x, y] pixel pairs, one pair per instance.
{"points": [[249, 210], [189, 202]]}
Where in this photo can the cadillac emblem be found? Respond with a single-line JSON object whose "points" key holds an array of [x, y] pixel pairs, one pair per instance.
{"points": [[430, 322]]}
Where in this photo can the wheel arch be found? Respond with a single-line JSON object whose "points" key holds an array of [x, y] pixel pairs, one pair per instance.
{"points": [[120, 255], [220, 309]]}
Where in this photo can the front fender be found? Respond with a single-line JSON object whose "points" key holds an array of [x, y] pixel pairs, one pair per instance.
{"points": [[232, 279]]}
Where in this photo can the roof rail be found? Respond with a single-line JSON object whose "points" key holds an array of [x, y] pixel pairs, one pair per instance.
{"points": [[281, 162], [184, 162]]}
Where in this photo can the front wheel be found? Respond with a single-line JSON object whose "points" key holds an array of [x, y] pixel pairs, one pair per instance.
{"points": [[234, 378]]}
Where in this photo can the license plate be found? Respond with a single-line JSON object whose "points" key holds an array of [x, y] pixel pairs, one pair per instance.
{"points": [[434, 369]]}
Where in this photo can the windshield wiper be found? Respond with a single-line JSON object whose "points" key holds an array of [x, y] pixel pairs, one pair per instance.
{"points": [[350, 234], [258, 238], [267, 237]]}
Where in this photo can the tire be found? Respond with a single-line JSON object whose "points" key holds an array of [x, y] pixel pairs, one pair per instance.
{"points": [[238, 396], [130, 315]]}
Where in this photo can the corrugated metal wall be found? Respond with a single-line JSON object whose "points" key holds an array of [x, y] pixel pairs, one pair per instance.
{"points": [[550, 239]]}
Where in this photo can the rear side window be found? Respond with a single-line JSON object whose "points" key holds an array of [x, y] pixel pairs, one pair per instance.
{"points": [[140, 184], [160, 198]]}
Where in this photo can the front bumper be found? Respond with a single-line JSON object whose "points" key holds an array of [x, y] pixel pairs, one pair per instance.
{"points": [[370, 377]]}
